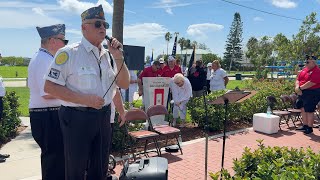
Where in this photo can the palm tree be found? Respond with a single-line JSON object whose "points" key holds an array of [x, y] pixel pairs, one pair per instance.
{"points": [[181, 42], [168, 36], [194, 44], [117, 20], [188, 44]]}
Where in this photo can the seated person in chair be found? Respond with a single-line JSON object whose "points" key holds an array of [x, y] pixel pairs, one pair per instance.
{"points": [[181, 93]]}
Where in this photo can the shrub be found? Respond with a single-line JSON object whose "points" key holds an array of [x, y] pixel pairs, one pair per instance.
{"points": [[10, 120], [239, 111], [274, 163]]}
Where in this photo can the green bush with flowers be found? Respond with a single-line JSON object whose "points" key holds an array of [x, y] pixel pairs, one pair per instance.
{"points": [[239, 111]]}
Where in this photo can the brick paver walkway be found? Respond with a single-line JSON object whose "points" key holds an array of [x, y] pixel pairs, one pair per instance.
{"points": [[190, 165]]}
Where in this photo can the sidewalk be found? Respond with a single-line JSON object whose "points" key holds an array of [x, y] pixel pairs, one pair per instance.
{"points": [[24, 163]]}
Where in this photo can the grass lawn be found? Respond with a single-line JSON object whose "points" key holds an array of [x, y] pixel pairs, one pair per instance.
{"points": [[236, 83], [23, 93], [232, 73], [12, 71]]}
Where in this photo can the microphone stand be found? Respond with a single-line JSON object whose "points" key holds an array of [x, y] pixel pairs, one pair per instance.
{"points": [[206, 130], [226, 102]]}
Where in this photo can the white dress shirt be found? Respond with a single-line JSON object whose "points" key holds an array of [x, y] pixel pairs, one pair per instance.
{"points": [[37, 70], [217, 80], [81, 72]]}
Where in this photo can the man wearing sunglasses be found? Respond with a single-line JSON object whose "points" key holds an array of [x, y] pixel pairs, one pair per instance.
{"points": [[307, 86], [84, 76], [43, 108]]}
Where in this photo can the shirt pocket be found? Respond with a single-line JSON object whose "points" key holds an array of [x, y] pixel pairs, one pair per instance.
{"points": [[87, 78], [110, 76]]}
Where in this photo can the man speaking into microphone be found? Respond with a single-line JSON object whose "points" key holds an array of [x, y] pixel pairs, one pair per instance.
{"points": [[83, 77]]}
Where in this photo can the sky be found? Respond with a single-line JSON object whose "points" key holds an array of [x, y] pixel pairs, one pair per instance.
{"points": [[147, 21]]}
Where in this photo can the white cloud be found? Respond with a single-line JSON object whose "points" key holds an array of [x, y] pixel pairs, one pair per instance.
{"points": [[19, 4], [200, 30], [145, 32], [168, 5], [24, 19], [78, 7], [74, 31], [38, 11], [257, 18], [284, 4]]}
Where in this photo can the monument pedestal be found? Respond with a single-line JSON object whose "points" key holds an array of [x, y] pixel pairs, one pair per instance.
{"points": [[155, 92]]}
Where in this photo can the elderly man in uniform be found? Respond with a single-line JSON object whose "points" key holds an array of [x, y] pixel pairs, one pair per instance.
{"points": [[83, 77], [43, 108]]}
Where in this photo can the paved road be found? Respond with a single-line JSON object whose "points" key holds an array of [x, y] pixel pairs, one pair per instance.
{"points": [[15, 83]]}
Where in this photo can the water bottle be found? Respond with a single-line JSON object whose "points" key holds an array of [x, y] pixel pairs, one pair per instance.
{"points": [[180, 140], [268, 111]]}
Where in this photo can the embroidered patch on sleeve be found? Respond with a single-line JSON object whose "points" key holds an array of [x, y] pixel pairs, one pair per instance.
{"points": [[62, 58], [54, 73]]}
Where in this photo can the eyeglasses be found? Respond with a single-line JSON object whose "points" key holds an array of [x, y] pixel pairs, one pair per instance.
{"points": [[98, 24], [63, 40]]}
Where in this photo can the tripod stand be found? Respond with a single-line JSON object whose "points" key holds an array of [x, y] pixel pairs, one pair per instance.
{"points": [[229, 97]]}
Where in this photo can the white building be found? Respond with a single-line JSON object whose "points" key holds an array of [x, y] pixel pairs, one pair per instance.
{"points": [[199, 53]]}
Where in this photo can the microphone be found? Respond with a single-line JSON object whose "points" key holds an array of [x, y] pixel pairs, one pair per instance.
{"points": [[110, 39]]}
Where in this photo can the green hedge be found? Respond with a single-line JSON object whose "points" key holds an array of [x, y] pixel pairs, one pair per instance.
{"points": [[240, 111], [10, 120], [276, 163]]}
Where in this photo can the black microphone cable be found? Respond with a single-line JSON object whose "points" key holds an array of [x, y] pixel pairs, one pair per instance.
{"points": [[120, 49]]}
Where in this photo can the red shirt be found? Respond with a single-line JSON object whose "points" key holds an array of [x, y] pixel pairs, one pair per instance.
{"points": [[312, 75], [148, 72], [167, 72]]}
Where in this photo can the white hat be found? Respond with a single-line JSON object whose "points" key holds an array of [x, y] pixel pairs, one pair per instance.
{"points": [[209, 64], [171, 58], [161, 60]]}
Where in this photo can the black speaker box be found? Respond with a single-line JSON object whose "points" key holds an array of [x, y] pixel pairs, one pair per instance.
{"points": [[155, 168]]}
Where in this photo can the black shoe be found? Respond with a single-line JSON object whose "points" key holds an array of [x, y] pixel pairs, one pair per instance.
{"points": [[3, 156], [308, 131], [302, 128], [2, 160]]}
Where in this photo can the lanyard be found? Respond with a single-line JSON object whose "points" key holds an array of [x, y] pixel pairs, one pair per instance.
{"points": [[99, 62]]}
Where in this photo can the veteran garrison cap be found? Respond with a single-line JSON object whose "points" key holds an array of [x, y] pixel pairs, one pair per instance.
{"points": [[53, 30], [93, 13]]}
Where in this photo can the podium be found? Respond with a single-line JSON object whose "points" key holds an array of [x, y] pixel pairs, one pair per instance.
{"points": [[235, 96], [155, 92]]}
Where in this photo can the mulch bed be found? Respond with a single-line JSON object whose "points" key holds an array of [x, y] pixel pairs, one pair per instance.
{"points": [[19, 129]]}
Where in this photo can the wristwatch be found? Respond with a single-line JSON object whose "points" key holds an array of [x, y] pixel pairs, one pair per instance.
{"points": [[300, 88]]}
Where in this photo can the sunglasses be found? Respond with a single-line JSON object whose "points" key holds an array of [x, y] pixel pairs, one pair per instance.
{"points": [[63, 40], [98, 24]]}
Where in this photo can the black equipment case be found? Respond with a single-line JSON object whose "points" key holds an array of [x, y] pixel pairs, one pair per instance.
{"points": [[155, 168]]}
